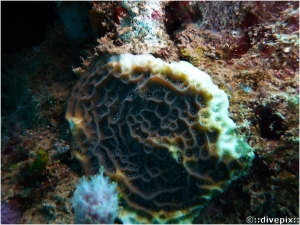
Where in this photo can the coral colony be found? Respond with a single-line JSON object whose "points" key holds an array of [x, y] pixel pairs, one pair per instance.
{"points": [[160, 130], [95, 201]]}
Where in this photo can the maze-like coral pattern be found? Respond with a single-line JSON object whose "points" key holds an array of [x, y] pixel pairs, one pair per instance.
{"points": [[161, 133]]}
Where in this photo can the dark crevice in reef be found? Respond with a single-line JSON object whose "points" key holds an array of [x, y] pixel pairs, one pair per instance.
{"points": [[259, 169], [270, 125], [178, 13], [25, 24], [38, 53]]}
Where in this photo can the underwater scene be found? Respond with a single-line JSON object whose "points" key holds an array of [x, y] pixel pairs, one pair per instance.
{"points": [[150, 112]]}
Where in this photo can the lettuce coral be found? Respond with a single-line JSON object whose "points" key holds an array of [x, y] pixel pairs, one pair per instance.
{"points": [[161, 131]]}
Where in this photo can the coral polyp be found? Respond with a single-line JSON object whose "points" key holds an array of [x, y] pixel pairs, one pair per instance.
{"points": [[160, 130]]}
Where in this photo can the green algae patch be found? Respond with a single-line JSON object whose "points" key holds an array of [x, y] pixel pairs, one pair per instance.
{"points": [[40, 162], [200, 52], [14, 166], [194, 56]]}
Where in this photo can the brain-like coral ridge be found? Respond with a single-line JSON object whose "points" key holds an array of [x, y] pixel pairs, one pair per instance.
{"points": [[161, 131]]}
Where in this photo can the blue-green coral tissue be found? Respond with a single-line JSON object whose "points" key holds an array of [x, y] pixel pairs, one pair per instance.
{"points": [[160, 130]]}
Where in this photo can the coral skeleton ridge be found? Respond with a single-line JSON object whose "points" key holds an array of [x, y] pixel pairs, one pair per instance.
{"points": [[160, 130]]}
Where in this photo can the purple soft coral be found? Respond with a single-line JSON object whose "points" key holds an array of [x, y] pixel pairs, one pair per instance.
{"points": [[9, 213]]}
